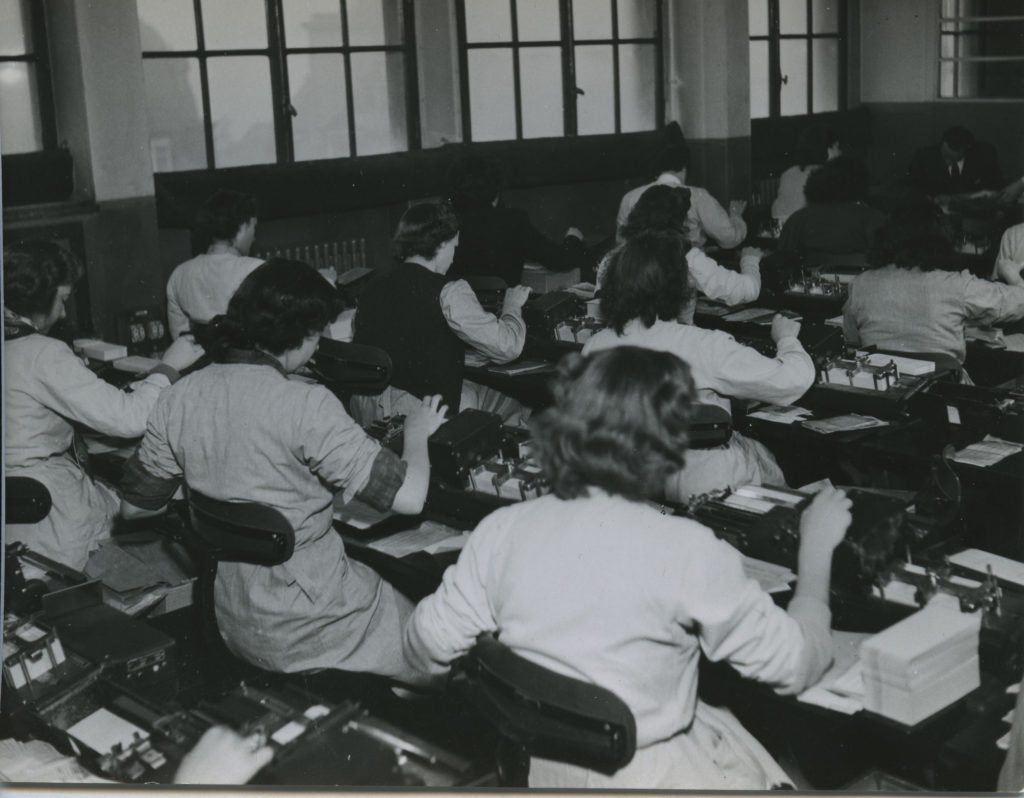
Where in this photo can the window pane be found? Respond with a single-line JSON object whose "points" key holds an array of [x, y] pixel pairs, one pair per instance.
{"points": [[312, 23], [825, 16], [538, 20], [825, 75], [638, 19], [488, 21], [793, 67], [374, 22], [234, 24], [15, 27], [491, 95], [637, 82], [378, 96], [946, 72], [167, 24], [540, 83], [20, 127], [174, 107], [792, 16], [592, 19], [757, 11], [595, 108], [759, 77], [241, 110], [317, 85], [991, 79]]}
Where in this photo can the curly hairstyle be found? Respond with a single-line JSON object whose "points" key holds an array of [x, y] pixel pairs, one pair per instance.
{"points": [[619, 422], [422, 230], [917, 235], [647, 279], [276, 307], [474, 182], [33, 271], [843, 179], [661, 207], [223, 213]]}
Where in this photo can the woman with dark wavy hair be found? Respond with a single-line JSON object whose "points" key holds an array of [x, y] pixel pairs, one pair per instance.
{"points": [[242, 430], [837, 226], [48, 390], [664, 207], [911, 301], [645, 290], [594, 583]]}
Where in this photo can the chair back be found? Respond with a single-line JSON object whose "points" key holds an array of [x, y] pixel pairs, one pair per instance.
{"points": [[239, 531], [26, 500], [546, 713], [348, 368]]}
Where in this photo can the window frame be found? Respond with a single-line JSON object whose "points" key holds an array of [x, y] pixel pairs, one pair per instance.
{"points": [[40, 59], [775, 78], [958, 19], [277, 52], [566, 42]]}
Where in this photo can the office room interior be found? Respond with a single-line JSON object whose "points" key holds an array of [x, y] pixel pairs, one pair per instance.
{"points": [[342, 123]]}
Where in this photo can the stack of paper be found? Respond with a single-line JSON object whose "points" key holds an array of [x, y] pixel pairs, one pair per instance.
{"points": [[923, 663]]}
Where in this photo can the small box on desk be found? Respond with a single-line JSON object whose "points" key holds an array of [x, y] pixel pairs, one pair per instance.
{"points": [[463, 443], [102, 351], [543, 281]]}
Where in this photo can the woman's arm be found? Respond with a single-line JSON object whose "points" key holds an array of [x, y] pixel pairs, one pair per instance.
{"points": [[420, 424], [987, 302], [717, 282], [498, 339]]}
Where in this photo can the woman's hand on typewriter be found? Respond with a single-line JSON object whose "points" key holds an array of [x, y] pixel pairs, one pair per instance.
{"points": [[224, 757]]}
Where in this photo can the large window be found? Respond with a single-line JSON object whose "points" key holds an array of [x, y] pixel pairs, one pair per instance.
{"points": [[981, 48], [797, 57], [26, 103], [237, 82], [533, 68]]}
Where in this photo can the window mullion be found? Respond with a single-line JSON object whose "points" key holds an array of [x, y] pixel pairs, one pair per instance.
{"points": [[412, 89], [774, 63], [460, 23], [616, 90], [204, 85], [279, 87], [516, 78], [659, 67], [810, 59], [349, 94], [568, 69]]}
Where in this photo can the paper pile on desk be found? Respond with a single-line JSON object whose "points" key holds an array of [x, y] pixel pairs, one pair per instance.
{"points": [[988, 451], [923, 663], [846, 423]]}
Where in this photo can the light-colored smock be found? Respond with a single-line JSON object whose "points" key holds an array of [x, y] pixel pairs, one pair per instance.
{"points": [[614, 593], [790, 197], [201, 288], [722, 368], [910, 310], [244, 432], [1010, 260], [47, 389], [705, 219], [496, 339]]}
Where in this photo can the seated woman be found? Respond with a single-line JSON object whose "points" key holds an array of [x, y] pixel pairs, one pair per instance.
{"points": [[837, 226], [645, 290], [593, 583], [497, 240], [48, 390], [665, 207], [815, 146], [242, 430], [425, 321], [911, 302]]}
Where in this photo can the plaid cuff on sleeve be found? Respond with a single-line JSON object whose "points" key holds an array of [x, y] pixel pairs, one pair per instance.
{"points": [[386, 476], [142, 489]]}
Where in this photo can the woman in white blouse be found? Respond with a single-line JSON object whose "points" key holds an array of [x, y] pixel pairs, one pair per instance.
{"points": [[48, 391]]}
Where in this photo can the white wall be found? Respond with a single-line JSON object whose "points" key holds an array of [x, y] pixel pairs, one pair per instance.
{"points": [[899, 50]]}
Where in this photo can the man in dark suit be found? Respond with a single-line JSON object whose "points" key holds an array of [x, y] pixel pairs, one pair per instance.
{"points": [[959, 164]]}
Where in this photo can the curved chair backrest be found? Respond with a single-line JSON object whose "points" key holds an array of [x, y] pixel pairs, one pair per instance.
{"points": [[351, 368], [26, 500], [547, 713], [240, 531]]}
